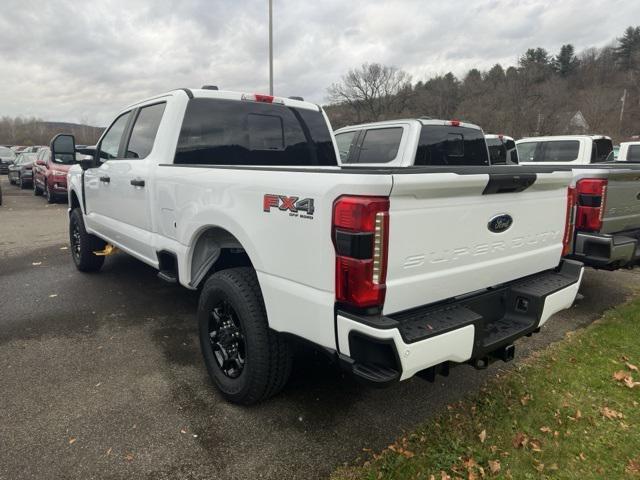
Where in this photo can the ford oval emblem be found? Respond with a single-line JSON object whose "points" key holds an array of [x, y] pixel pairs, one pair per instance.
{"points": [[500, 223]]}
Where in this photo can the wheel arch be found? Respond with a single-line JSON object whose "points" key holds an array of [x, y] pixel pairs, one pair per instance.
{"points": [[215, 248]]}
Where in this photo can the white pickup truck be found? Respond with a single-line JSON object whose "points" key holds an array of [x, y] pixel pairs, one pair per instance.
{"points": [[607, 196], [393, 272]]}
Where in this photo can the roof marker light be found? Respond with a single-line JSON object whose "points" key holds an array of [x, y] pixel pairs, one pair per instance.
{"points": [[454, 123]]}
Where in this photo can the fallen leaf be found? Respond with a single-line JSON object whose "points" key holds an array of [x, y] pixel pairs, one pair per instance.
{"points": [[182, 430], [494, 466], [535, 445], [525, 399], [482, 436], [520, 440], [545, 429], [53, 295], [72, 440], [631, 367], [633, 466], [128, 457], [444, 475], [539, 467], [610, 413], [35, 264], [582, 456], [630, 383], [621, 375], [108, 451]]}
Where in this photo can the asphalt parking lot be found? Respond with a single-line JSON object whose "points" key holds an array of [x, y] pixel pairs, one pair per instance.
{"points": [[101, 375]]}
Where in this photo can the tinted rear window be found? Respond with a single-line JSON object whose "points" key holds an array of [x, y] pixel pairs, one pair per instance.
{"points": [[445, 145], [603, 148], [228, 132], [380, 145], [633, 154], [549, 151]]}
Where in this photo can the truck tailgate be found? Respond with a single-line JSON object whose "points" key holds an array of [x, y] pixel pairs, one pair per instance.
{"points": [[443, 243], [622, 206]]}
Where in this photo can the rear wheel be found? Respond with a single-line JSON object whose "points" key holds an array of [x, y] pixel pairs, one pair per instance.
{"points": [[246, 360], [83, 244]]}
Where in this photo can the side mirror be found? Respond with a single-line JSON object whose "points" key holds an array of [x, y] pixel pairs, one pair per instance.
{"points": [[63, 144]]}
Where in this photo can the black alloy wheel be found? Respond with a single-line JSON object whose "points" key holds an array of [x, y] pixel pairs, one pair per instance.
{"points": [[227, 339]]}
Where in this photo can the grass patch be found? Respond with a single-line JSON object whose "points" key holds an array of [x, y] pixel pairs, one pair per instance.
{"points": [[572, 411]]}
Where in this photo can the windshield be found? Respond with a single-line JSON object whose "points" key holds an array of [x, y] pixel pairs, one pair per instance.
{"points": [[25, 158], [7, 152]]}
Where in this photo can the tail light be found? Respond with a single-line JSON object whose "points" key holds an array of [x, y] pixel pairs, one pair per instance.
{"points": [[591, 196], [360, 235], [259, 97], [569, 222]]}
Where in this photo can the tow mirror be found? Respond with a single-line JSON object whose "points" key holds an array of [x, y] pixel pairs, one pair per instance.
{"points": [[63, 146]]}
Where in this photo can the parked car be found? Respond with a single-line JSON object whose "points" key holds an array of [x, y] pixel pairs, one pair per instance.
{"points": [[50, 174], [391, 272], [607, 211], [502, 149], [21, 173], [629, 152], [7, 157], [412, 142]]}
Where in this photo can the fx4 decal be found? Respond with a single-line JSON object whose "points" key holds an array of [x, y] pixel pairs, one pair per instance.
{"points": [[290, 204]]}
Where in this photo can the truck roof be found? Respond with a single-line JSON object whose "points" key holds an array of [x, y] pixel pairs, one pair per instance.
{"points": [[423, 121], [232, 95], [492, 136], [564, 137]]}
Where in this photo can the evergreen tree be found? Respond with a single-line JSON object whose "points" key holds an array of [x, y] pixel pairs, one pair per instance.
{"points": [[565, 62], [627, 53]]}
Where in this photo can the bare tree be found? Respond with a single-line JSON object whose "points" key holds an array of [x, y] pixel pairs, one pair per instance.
{"points": [[373, 91]]}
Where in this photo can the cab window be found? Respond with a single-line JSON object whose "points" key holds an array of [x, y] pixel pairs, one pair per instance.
{"points": [[144, 131], [110, 144]]}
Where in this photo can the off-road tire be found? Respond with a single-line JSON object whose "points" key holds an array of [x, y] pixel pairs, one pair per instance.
{"points": [[268, 355], [84, 259]]}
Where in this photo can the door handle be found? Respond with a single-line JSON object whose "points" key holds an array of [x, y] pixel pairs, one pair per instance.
{"points": [[137, 182], [105, 179]]}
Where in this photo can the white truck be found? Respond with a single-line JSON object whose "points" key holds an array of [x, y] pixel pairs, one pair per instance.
{"points": [[412, 142], [392, 272], [607, 196], [629, 152]]}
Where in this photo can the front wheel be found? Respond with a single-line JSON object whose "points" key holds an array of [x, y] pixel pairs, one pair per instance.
{"points": [[83, 244], [246, 360], [36, 191]]}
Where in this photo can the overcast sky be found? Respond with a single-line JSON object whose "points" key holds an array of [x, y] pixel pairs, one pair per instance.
{"points": [[84, 61]]}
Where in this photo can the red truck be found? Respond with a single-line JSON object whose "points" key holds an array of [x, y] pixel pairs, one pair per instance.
{"points": [[50, 175]]}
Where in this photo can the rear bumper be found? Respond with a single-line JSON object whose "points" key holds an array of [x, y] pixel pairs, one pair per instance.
{"points": [[479, 327], [607, 251]]}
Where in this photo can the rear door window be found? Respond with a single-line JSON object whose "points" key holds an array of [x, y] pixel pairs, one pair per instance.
{"points": [[344, 141], [449, 145], [144, 131], [633, 153], [497, 151], [229, 132], [549, 151], [380, 145]]}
